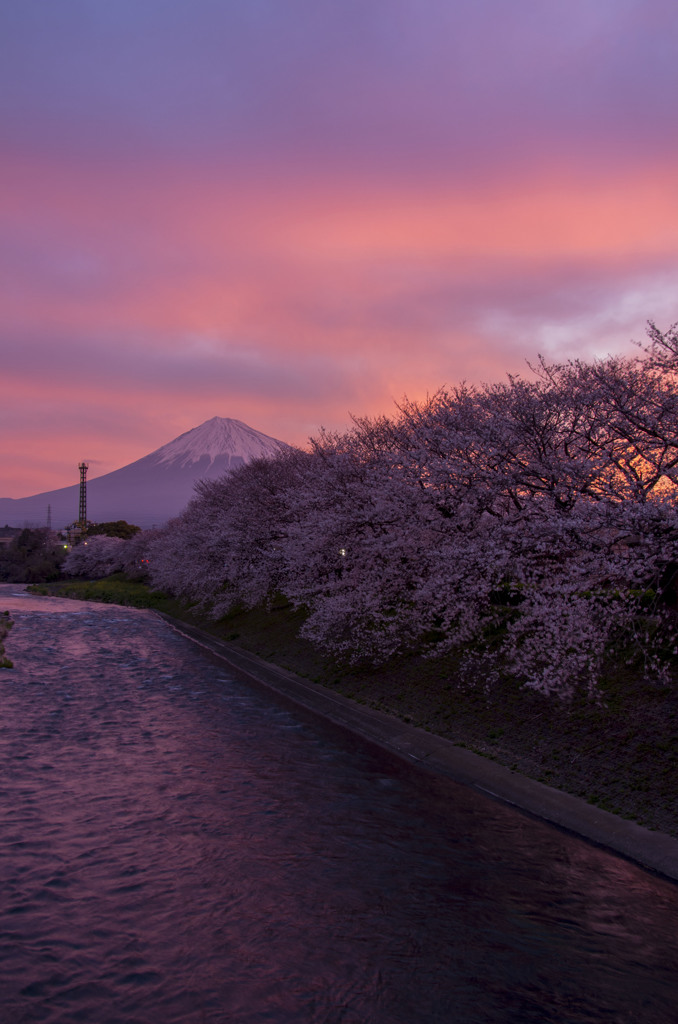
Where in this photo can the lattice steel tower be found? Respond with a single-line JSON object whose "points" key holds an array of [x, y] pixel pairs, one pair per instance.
{"points": [[82, 509]]}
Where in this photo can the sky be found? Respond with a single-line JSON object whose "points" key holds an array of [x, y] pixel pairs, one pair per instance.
{"points": [[288, 211]]}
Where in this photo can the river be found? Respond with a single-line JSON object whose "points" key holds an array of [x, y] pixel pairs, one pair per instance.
{"points": [[177, 847]]}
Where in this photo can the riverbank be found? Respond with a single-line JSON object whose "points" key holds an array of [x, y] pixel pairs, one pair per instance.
{"points": [[653, 850], [619, 754], [5, 626]]}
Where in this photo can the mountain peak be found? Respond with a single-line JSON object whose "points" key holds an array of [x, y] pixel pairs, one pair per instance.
{"points": [[156, 487], [218, 437]]}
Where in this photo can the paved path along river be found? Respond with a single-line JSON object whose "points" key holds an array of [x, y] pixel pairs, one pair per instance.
{"points": [[177, 847]]}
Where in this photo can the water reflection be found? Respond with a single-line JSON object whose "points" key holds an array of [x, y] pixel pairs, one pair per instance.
{"points": [[178, 848]]}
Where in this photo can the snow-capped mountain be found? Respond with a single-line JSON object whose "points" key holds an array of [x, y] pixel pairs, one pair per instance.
{"points": [[216, 439], [153, 489]]}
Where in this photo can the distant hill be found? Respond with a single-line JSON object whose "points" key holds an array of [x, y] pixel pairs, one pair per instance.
{"points": [[153, 489]]}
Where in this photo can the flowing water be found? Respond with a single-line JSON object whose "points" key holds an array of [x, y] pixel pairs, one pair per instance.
{"points": [[175, 846]]}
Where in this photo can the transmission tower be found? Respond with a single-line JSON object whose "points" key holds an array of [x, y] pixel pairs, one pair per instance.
{"points": [[82, 509]]}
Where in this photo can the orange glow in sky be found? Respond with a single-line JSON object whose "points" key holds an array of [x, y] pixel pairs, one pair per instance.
{"points": [[247, 230]]}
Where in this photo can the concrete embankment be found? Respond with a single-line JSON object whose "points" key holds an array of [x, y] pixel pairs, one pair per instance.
{"points": [[653, 850]]}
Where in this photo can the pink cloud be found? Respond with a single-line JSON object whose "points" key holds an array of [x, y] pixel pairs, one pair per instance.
{"points": [[286, 218], [290, 309]]}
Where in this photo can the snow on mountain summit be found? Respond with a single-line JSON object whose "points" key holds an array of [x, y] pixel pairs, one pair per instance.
{"points": [[156, 487], [216, 438]]}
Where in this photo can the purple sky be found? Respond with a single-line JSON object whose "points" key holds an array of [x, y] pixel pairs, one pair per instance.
{"points": [[286, 212]]}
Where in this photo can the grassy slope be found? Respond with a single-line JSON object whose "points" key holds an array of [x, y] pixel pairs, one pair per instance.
{"points": [[5, 626], [620, 753]]}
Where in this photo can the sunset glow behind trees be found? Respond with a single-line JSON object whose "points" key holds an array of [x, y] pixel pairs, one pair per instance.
{"points": [[283, 213], [531, 525]]}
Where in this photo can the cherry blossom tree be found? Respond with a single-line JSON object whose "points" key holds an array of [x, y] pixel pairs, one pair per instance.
{"points": [[530, 524], [134, 555], [226, 547], [98, 556]]}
